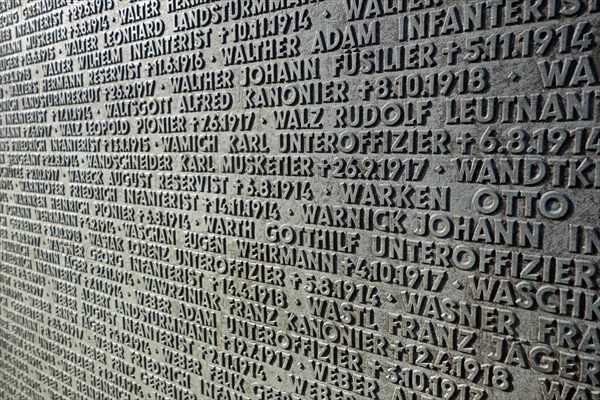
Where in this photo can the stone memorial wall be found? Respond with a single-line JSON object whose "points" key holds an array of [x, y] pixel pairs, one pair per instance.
{"points": [[299, 199]]}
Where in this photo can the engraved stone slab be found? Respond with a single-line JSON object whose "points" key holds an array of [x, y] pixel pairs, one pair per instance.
{"points": [[299, 199]]}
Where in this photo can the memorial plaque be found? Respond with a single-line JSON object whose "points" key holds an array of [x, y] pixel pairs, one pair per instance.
{"points": [[299, 199]]}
